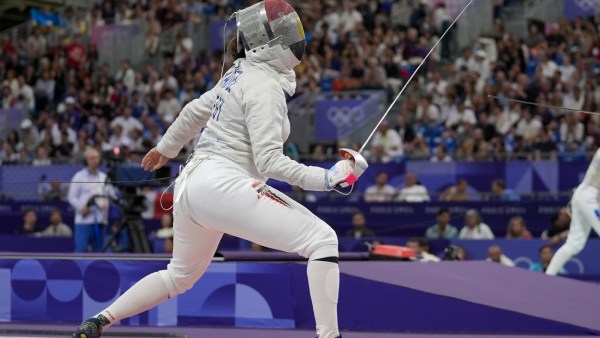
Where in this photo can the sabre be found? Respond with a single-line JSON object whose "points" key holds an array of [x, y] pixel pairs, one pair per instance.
{"points": [[360, 163], [543, 105]]}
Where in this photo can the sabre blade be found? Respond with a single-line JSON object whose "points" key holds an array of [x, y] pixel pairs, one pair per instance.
{"points": [[543, 105], [411, 77]]}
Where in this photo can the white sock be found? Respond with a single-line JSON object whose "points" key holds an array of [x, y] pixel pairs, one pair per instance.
{"points": [[324, 285], [559, 259], [144, 295]]}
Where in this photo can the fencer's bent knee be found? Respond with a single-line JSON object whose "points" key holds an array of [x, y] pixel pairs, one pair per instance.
{"points": [[324, 246], [178, 283]]}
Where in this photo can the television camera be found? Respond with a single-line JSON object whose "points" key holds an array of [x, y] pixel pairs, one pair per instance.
{"points": [[127, 178]]}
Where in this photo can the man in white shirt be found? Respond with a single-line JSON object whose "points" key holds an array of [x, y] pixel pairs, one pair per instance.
{"points": [[168, 106], [127, 121], [465, 61], [529, 127], [381, 191], [56, 228], [413, 191], [495, 255], [25, 94], [461, 115], [420, 246], [350, 17], [126, 75], [387, 144], [90, 201], [474, 228], [566, 70]]}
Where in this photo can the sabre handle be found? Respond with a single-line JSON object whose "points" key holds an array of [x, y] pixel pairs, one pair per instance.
{"points": [[359, 166]]}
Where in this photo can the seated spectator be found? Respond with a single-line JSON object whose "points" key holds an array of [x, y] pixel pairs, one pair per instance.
{"points": [[559, 230], [41, 158], [517, 229], [546, 254], [359, 230], [501, 193], [381, 191], [387, 144], [474, 228], [127, 121], [29, 135], [441, 154], [57, 228], [456, 193], [56, 192], [166, 227], [463, 114], [420, 246], [413, 191], [495, 255], [29, 226], [442, 229]]}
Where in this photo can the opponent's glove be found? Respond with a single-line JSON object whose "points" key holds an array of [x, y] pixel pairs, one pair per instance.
{"points": [[320, 179]]}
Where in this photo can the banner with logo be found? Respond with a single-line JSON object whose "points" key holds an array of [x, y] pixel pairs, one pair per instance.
{"points": [[108, 36], [584, 8], [336, 118]]}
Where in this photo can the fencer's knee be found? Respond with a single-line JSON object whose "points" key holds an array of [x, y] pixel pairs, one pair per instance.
{"points": [[325, 246], [178, 283]]}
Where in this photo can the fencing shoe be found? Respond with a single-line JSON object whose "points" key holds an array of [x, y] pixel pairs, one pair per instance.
{"points": [[91, 328]]}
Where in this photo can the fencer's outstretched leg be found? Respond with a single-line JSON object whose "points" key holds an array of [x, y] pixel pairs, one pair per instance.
{"points": [[193, 250]]}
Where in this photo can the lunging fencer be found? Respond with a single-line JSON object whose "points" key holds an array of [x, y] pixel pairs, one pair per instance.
{"points": [[585, 216], [222, 187]]}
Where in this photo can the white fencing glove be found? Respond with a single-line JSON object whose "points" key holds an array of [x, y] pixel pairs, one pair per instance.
{"points": [[320, 179]]}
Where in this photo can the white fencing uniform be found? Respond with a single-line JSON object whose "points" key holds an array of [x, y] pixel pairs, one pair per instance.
{"points": [[585, 216], [222, 190]]}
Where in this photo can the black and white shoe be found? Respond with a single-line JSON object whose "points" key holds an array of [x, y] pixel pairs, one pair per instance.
{"points": [[91, 328]]}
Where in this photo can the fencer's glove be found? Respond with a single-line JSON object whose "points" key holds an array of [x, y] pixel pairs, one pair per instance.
{"points": [[320, 179]]}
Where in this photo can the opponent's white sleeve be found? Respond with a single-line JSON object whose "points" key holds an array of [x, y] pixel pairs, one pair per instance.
{"points": [[265, 107], [192, 118]]}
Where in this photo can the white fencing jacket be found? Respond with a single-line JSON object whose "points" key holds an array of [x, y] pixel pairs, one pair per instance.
{"points": [[246, 121]]}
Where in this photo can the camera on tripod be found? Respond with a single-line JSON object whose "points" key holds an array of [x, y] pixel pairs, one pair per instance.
{"points": [[128, 178]]}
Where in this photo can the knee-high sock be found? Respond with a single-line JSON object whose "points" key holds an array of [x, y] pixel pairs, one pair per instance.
{"points": [[324, 284], [559, 259], [144, 295]]}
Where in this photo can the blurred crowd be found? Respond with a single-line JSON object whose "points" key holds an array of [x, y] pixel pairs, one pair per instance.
{"points": [[72, 101]]}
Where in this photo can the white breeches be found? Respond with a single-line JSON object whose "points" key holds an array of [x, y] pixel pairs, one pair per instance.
{"points": [[217, 198]]}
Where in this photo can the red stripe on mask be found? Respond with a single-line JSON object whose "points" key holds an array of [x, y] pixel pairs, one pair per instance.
{"points": [[277, 8]]}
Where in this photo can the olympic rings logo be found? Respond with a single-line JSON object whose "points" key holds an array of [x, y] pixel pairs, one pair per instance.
{"points": [[588, 5], [525, 262], [345, 117]]}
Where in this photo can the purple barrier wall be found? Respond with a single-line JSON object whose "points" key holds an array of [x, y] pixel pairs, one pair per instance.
{"points": [[378, 296]]}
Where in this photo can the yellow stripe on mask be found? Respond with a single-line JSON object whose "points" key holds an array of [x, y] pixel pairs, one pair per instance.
{"points": [[300, 28]]}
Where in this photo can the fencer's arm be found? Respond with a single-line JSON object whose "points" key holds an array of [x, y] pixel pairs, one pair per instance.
{"points": [[191, 119], [265, 108]]}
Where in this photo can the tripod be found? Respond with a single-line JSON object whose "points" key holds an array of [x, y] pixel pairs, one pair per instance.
{"points": [[138, 241]]}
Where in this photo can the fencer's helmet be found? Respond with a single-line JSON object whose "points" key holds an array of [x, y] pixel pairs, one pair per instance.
{"points": [[271, 22]]}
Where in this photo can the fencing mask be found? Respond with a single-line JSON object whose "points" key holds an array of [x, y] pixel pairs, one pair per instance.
{"points": [[271, 22]]}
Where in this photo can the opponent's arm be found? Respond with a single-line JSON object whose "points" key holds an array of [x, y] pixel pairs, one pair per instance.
{"points": [[191, 119], [265, 108]]}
